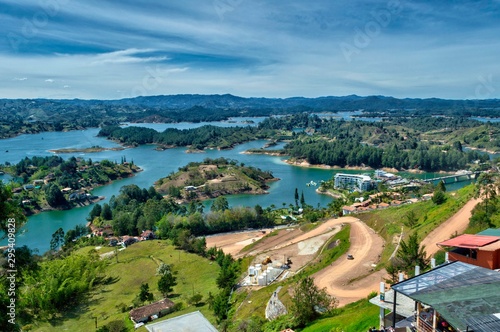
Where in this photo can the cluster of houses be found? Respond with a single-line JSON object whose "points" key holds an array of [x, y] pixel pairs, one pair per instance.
{"points": [[374, 202], [126, 240]]}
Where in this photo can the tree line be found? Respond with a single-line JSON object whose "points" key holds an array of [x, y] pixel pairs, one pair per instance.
{"points": [[197, 138]]}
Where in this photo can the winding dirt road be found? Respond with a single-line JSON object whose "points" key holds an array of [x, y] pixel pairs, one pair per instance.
{"points": [[338, 278], [456, 223], [347, 280]]}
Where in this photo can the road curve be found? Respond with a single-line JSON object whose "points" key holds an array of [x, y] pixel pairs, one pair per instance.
{"points": [[366, 247]]}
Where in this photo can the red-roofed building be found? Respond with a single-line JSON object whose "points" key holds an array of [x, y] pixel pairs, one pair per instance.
{"points": [[479, 250]]}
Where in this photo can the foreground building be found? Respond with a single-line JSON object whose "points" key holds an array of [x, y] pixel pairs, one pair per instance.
{"points": [[455, 297], [192, 322], [480, 250]]}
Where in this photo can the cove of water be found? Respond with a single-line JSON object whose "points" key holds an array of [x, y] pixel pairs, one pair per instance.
{"points": [[156, 164]]}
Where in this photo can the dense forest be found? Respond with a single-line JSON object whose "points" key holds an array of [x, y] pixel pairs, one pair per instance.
{"points": [[37, 115], [135, 210], [198, 138], [426, 143]]}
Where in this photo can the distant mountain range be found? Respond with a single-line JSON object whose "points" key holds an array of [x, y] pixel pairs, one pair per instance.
{"points": [[172, 108], [329, 103]]}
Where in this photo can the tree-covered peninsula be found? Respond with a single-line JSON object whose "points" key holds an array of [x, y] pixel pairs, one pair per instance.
{"points": [[45, 183]]}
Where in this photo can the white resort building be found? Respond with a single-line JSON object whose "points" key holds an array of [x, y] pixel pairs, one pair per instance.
{"points": [[353, 181]]}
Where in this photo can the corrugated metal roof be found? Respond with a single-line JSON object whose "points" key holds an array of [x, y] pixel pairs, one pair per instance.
{"points": [[458, 291], [491, 247], [490, 232], [487, 323], [469, 241]]}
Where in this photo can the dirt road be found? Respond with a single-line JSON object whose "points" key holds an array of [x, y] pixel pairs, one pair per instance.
{"points": [[457, 223], [366, 247]]}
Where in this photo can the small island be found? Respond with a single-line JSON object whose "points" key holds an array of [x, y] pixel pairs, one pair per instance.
{"points": [[52, 183], [212, 178], [92, 149]]}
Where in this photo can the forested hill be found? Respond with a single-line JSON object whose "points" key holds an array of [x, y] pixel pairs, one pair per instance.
{"points": [[38, 115], [170, 106]]}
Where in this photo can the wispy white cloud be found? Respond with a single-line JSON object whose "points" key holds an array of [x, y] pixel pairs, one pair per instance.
{"points": [[126, 56], [257, 48]]}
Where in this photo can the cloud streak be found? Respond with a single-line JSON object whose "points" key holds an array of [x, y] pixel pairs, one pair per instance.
{"points": [[257, 48]]}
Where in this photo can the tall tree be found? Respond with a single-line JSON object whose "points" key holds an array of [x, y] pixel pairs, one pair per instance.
{"points": [[145, 294], [164, 269], [166, 283], [220, 204], [54, 195], [57, 239], [106, 213], [441, 186], [11, 214], [410, 254], [411, 219], [439, 197], [487, 186], [308, 301]]}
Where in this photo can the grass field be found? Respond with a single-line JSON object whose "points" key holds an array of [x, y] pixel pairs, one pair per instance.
{"points": [[137, 264], [355, 317], [388, 222]]}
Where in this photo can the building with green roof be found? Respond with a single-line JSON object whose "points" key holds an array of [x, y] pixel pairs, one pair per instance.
{"points": [[455, 297]]}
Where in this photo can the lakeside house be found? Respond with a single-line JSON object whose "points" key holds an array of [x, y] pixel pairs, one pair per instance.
{"points": [[369, 205]]}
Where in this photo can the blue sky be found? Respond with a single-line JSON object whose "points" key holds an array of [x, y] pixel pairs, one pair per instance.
{"points": [[118, 49]]}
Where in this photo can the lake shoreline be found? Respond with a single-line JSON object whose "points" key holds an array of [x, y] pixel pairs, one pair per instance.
{"points": [[306, 164]]}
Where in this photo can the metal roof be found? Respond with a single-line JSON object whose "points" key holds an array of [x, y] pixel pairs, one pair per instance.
{"points": [[488, 323], [458, 291], [405, 306], [192, 322], [491, 247], [490, 232], [469, 241]]}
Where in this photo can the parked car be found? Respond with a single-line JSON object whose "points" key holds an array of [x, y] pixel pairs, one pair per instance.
{"points": [[349, 256]]}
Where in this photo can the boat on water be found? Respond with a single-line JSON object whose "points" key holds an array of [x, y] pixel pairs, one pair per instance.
{"points": [[311, 183]]}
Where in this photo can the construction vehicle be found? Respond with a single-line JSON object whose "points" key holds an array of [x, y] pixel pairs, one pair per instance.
{"points": [[267, 261]]}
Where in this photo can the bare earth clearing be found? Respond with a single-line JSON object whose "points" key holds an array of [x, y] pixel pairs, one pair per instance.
{"points": [[347, 280]]}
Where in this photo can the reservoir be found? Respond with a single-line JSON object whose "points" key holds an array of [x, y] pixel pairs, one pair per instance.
{"points": [[38, 231]]}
